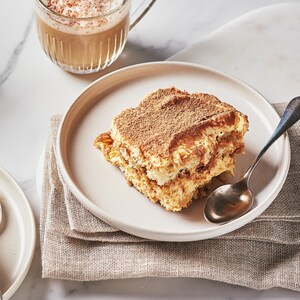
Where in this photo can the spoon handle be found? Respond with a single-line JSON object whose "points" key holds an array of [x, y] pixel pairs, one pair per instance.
{"points": [[290, 116]]}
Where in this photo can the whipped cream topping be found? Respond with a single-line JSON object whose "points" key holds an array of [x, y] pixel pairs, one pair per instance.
{"points": [[82, 8]]}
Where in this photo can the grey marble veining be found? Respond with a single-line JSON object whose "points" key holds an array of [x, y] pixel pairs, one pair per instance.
{"points": [[13, 59], [16, 20]]}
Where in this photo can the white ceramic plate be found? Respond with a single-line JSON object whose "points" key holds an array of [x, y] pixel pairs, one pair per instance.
{"points": [[101, 188], [17, 235]]}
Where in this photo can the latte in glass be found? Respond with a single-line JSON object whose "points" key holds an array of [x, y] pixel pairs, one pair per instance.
{"points": [[83, 36]]}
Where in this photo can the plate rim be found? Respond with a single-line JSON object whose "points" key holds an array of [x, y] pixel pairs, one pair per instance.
{"points": [[161, 235], [30, 218]]}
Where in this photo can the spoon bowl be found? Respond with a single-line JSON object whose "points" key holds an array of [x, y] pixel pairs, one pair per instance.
{"points": [[231, 201], [228, 202]]}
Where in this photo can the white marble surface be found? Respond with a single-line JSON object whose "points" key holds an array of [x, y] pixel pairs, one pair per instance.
{"points": [[32, 89]]}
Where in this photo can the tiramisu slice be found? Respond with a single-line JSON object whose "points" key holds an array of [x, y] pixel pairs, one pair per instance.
{"points": [[173, 143]]}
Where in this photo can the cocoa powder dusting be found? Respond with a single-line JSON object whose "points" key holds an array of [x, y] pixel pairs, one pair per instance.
{"points": [[169, 116]]}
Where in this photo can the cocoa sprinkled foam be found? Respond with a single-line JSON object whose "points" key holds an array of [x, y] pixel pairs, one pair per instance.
{"points": [[83, 8], [104, 11]]}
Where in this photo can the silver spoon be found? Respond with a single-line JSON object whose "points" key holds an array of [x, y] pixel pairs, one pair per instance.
{"points": [[231, 201]]}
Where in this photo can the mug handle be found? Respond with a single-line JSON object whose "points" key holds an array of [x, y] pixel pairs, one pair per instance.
{"points": [[141, 14]]}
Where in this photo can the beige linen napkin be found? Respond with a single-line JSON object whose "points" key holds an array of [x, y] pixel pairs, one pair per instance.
{"points": [[78, 246]]}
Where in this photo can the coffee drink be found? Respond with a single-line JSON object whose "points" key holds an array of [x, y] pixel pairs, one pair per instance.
{"points": [[83, 36]]}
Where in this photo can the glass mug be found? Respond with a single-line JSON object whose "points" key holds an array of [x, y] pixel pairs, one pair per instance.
{"points": [[86, 44]]}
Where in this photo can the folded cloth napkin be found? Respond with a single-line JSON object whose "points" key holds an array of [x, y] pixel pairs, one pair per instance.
{"points": [[76, 245]]}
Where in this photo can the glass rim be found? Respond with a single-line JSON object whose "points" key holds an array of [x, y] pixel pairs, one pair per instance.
{"points": [[43, 6]]}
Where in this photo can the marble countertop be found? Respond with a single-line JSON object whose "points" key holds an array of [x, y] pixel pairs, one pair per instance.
{"points": [[32, 89]]}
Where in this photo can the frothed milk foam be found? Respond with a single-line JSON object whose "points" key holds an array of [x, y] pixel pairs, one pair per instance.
{"points": [[83, 35], [82, 8]]}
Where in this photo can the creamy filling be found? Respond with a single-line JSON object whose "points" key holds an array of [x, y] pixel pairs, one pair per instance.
{"points": [[179, 192], [184, 158]]}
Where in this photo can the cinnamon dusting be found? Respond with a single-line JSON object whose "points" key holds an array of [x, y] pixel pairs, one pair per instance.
{"points": [[169, 116], [82, 8]]}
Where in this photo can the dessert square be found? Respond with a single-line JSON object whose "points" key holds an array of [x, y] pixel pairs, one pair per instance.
{"points": [[173, 143]]}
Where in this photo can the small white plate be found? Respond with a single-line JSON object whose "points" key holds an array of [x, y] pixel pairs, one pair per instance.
{"points": [[102, 189], [17, 235]]}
